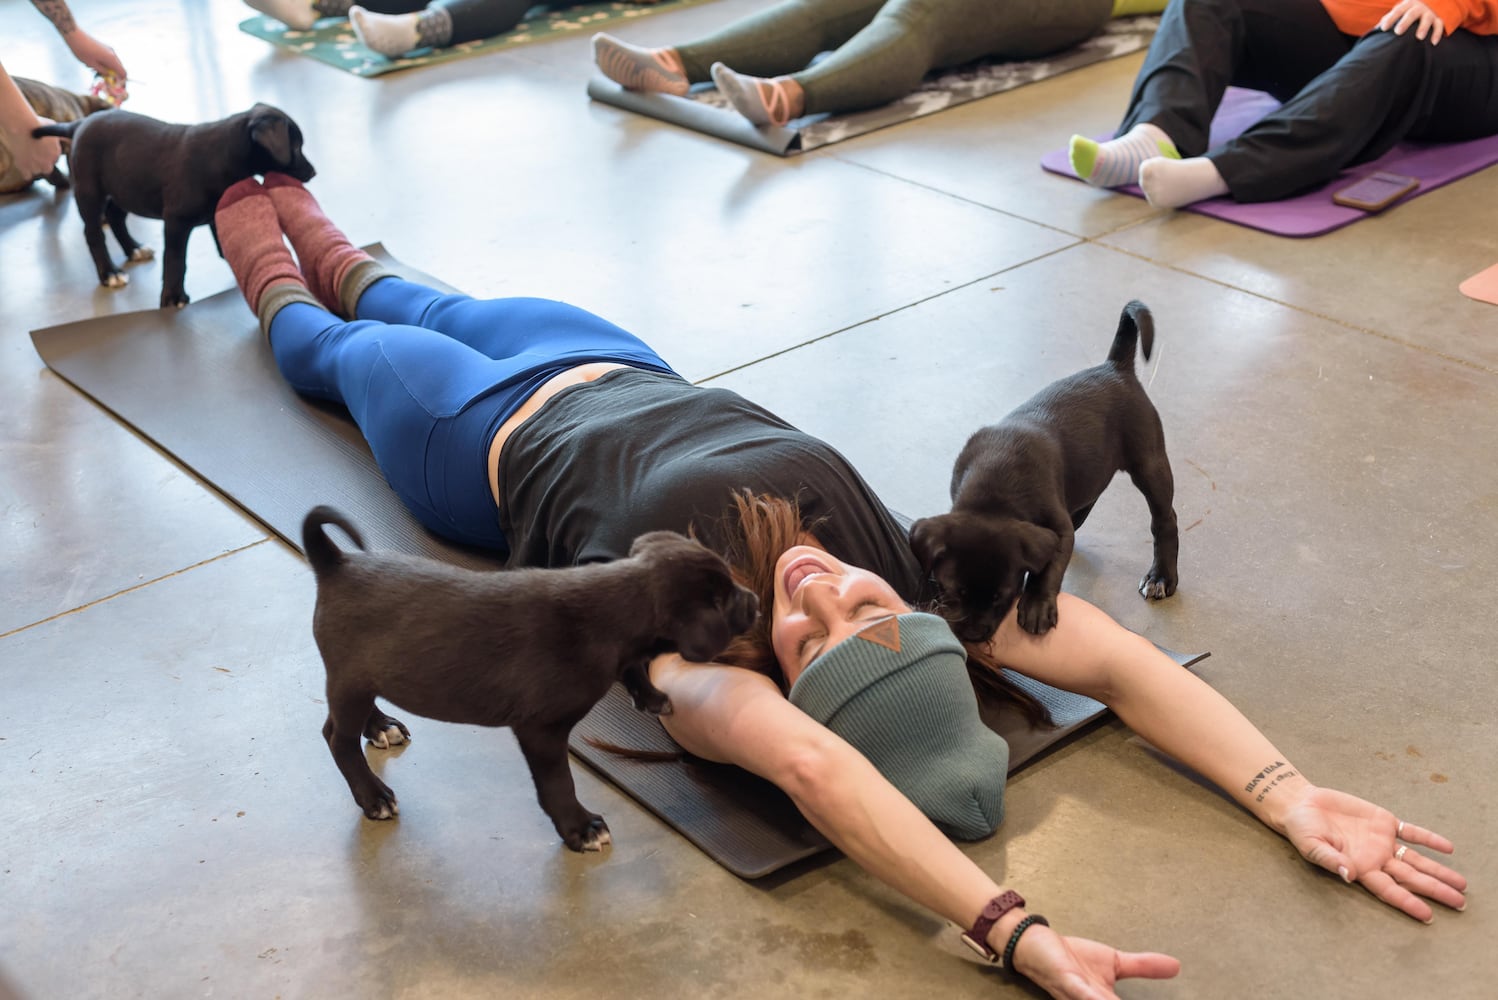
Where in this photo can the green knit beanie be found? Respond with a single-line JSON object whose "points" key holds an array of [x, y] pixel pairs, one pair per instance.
{"points": [[898, 691]]}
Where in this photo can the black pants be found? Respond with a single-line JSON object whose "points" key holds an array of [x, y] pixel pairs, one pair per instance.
{"points": [[1345, 100]]}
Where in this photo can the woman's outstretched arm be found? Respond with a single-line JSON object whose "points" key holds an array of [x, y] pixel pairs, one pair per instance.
{"points": [[1088, 652], [732, 715]]}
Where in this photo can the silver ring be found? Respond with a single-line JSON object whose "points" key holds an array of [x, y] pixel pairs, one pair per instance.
{"points": [[1399, 854], [1399, 830]]}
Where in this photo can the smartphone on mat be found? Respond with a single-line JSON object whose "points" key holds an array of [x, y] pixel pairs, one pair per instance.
{"points": [[1376, 192]]}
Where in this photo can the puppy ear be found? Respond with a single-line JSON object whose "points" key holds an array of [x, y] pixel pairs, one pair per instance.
{"points": [[703, 636], [1037, 545], [653, 539], [271, 131]]}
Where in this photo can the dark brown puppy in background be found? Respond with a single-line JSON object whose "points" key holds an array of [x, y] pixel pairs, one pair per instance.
{"points": [[124, 163], [1022, 487], [532, 649]]}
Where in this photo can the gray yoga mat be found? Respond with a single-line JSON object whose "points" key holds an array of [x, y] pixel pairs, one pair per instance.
{"points": [[201, 384], [705, 110]]}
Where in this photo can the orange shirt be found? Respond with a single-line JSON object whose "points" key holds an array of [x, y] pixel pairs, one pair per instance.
{"points": [[1358, 17]]}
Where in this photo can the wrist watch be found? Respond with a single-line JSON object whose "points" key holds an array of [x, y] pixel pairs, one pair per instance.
{"points": [[976, 936]]}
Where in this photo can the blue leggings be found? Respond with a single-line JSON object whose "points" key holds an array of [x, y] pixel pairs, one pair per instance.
{"points": [[430, 377]]}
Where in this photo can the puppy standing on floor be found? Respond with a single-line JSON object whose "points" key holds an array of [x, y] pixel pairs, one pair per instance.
{"points": [[1022, 487], [532, 649], [124, 163]]}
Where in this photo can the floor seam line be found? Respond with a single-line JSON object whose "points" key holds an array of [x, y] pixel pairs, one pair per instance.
{"points": [[129, 590]]}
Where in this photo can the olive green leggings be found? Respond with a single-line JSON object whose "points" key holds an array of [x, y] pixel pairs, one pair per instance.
{"points": [[880, 49]]}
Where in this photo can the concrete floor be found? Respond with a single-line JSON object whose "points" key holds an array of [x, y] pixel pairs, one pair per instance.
{"points": [[1331, 406]]}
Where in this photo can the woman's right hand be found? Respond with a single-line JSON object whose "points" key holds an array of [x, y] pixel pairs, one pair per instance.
{"points": [[1406, 13], [1073, 968]]}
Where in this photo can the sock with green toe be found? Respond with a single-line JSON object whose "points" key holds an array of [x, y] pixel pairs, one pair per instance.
{"points": [[250, 235], [1116, 162]]}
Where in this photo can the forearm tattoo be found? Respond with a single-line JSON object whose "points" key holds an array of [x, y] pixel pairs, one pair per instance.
{"points": [[1266, 780], [57, 12]]}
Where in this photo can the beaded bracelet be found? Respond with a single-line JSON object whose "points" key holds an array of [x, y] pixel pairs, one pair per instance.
{"points": [[1020, 928]]}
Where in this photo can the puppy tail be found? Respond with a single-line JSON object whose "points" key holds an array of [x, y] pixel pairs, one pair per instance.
{"points": [[321, 552], [57, 130], [1135, 325]]}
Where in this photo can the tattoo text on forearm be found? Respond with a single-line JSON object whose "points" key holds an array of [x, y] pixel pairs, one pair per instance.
{"points": [[1268, 778], [57, 12]]}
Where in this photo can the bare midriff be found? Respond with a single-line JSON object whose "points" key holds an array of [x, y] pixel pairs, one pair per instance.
{"points": [[534, 402]]}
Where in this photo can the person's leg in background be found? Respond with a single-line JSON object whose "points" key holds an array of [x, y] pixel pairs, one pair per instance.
{"points": [[303, 14], [908, 39], [778, 40], [1388, 88], [392, 32], [1201, 48]]}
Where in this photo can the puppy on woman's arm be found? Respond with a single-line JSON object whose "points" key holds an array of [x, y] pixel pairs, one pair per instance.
{"points": [[1022, 487]]}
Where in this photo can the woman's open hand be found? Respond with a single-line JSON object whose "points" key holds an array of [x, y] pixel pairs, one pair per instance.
{"points": [[1361, 842], [1073, 968], [1408, 12]]}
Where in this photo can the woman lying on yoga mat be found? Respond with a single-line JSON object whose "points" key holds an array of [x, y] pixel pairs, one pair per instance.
{"points": [[535, 428], [1355, 76], [395, 27], [880, 49]]}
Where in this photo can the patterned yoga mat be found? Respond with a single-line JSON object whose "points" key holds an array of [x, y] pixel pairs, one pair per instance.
{"points": [[333, 41], [706, 110]]}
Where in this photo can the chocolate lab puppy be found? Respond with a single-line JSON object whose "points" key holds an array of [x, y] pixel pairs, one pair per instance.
{"points": [[124, 163], [532, 649], [1022, 487]]}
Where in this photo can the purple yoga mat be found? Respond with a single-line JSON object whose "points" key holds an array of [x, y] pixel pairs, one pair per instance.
{"points": [[1314, 212]]}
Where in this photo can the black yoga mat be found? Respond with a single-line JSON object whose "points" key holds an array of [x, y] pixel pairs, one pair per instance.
{"points": [[745, 823], [201, 384]]}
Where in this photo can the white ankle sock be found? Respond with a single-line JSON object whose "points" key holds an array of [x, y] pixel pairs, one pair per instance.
{"points": [[297, 14], [1173, 183], [388, 34]]}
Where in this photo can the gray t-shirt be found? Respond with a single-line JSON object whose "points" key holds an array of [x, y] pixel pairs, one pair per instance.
{"points": [[639, 451]]}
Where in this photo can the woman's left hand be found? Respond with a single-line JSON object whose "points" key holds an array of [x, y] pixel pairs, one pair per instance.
{"points": [[1408, 12], [95, 54], [1361, 842]]}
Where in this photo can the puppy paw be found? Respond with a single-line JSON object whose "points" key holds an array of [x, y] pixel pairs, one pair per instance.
{"points": [[593, 837], [115, 279], [654, 702], [380, 803], [1036, 615], [171, 300], [384, 732], [1156, 586], [140, 255]]}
